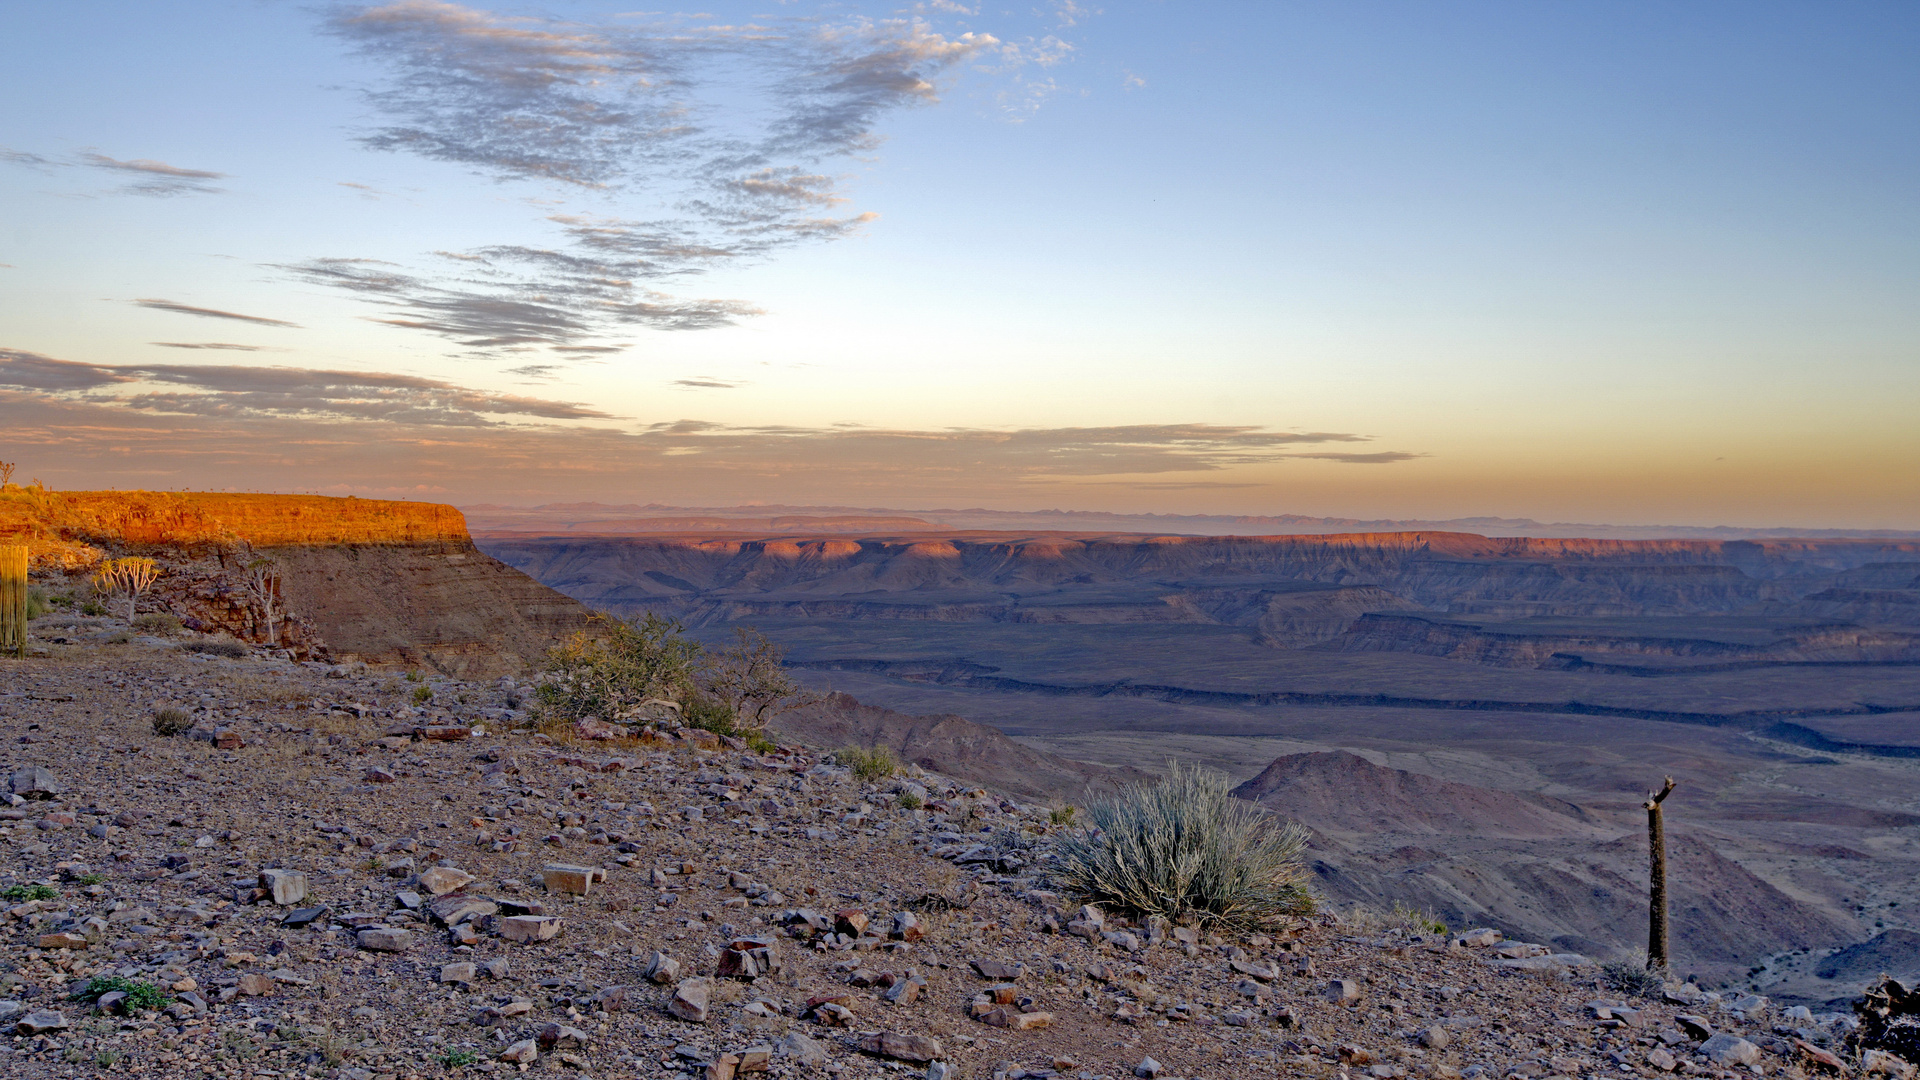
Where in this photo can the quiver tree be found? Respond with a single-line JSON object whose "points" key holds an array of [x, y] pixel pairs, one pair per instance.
{"points": [[1657, 879], [263, 588], [127, 577]]}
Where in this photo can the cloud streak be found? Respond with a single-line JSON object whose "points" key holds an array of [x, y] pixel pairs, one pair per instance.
{"points": [[147, 177], [278, 426], [156, 177], [246, 392], [211, 313]]}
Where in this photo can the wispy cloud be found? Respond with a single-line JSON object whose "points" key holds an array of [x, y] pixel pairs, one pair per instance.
{"points": [[208, 345], [156, 177], [211, 313], [242, 392], [718, 130], [147, 177], [708, 384]]}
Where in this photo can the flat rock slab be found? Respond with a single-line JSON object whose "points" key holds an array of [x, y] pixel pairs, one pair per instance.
{"points": [[530, 928], [892, 1044], [385, 939]]}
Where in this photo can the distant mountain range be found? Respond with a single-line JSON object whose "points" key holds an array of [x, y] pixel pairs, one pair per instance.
{"points": [[656, 518]]}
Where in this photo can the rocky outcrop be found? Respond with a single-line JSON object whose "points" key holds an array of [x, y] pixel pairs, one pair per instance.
{"points": [[386, 582]]}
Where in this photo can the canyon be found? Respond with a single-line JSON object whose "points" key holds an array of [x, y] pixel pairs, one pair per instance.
{"points": [[1777, 678]]}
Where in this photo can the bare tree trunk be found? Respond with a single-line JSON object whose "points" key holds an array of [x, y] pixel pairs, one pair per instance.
{"points": [[1657, 879]]}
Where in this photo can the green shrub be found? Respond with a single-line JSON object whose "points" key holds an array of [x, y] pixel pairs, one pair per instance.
{"points": [[614, 673], [93, 607], [90, 880], [758, 742], [171, 721], [868, 765], [140, 995], [37, 603], [1062, 816], [422, 695], [625, 671], [909, 801], [1186, 849], [22, 893], [458, 1058], [157, 622]]}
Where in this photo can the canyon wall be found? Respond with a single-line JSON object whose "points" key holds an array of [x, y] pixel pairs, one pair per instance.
{"points": [[382, 581]]}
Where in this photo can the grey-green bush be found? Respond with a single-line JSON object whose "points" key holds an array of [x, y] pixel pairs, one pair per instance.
{"points": [[1186, 849]]}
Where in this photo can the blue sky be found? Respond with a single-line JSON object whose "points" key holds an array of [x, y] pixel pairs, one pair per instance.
{"points": [[1630, 262]]}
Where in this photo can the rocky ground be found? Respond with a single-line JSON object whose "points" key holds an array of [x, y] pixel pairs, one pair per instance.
{"points": [[343, 872]]}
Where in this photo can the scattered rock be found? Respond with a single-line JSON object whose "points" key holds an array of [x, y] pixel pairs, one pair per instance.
{"points": [[284, 887], [530, 928], [691, 999], [1724, 1049], [385, 939], [41, 1021], [440, 880], [892, 1044]]}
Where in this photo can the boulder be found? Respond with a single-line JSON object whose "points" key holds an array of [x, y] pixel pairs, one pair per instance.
{"points": [[284, 887]]}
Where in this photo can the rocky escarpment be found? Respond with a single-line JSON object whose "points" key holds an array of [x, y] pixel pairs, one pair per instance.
{"points": [[1237, 580], [386, 582]]}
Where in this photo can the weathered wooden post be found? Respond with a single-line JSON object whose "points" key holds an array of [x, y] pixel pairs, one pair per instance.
{"points": [[13, 599], [1657, 880]]}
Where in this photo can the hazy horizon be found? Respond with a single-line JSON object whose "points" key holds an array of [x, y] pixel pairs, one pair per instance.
{"points": [[1607, 263]]}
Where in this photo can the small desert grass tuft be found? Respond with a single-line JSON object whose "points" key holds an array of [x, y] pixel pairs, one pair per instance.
{"points": [[1062, 816], [157, 622], [868, 765], [909, 801], [1631, 976], [1402, 918], [20, 893], [1186, 849], [170, 721], [219, 646], [458, 1057]]}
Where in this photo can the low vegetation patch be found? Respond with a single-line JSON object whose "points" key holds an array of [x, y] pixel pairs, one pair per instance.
{"points": [[171, 721], [219, 646], [629, 672], [1633, 977], [157, 622], [22, 893], [868, 765], [1186, 849], [140, 995]]}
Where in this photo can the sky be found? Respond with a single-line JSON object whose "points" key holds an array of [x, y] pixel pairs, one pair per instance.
{"points": [[1627, 262]]}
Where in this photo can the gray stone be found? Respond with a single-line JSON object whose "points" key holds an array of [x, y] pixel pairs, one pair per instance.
{"points": [[1343, 991], [34, 782], [523, 1052], [1147, 1069], [284, 887], [662, 969], [803, 1050], [40, 1022], [1724, 1049], [1435, 1038], [462, 973], [385, 939]]}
